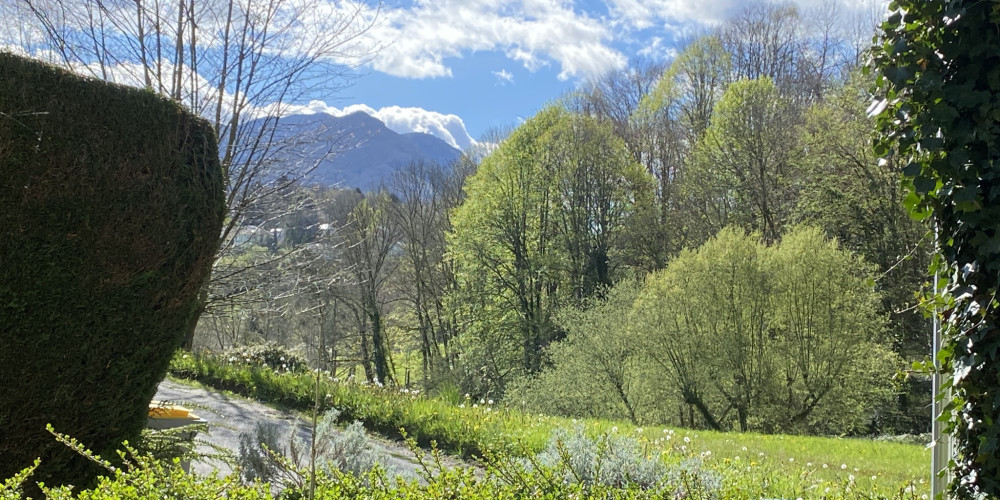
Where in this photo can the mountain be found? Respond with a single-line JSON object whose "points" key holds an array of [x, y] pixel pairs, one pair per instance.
{"points": [[355, 150]]}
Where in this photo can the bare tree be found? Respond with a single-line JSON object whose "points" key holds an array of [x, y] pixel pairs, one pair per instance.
{"points": [[425, 195], [369, 238]]}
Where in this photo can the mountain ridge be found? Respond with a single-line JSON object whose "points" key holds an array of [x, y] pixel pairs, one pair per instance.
{"points": [[355, 150]]}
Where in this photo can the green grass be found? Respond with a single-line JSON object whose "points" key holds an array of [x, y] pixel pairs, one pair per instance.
{"points": [[752, 464]]}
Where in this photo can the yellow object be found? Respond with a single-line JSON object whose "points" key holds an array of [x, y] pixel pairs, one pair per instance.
{"points": [[157, 410]]}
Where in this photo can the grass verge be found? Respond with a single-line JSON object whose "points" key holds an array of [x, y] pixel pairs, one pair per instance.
{"points": [[766, 465]]}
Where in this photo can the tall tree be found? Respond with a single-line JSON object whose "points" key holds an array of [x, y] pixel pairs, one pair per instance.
{"points": [[743, 172], [852, 198], [369, 238], [540, 226], [426, 195]]}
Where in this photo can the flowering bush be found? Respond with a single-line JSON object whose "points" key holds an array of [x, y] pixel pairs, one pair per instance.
{"points": [[269, 354]]}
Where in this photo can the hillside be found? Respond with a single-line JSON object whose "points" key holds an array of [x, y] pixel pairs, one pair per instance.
{"points": [[356, 150]]}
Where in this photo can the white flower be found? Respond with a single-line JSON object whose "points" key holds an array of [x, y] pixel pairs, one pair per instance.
{"points": [[790, 459], [489, 402], [843, 466], [874, 478], [809, 464], [744, 448], [850, 477], [824, 466], [614, 428], [736, 458], [638, 430], [687, 439]]}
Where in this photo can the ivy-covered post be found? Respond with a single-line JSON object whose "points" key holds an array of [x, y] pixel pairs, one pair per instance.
{"points": [[938, 72]]}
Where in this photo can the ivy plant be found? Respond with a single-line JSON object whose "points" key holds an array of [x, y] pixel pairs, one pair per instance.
{"points": [[937, 64]]}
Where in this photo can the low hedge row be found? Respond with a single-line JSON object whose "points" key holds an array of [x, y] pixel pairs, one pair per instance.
{"points": [[468, 431]]}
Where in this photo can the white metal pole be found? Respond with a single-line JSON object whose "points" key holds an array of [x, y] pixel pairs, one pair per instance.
{"points": [[941, 442]]}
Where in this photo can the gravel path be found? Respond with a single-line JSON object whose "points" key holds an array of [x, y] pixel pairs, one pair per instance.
{"points": [[237, 415]]}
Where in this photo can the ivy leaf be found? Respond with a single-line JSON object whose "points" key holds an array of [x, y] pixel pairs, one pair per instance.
{"points": [[912, 203], [966, 198], [923, 185]]}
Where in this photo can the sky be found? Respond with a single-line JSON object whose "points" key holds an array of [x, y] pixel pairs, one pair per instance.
{"points": [[458, 68]]}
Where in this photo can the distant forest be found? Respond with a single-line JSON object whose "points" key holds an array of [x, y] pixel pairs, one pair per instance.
{"points": [[709, 242]]}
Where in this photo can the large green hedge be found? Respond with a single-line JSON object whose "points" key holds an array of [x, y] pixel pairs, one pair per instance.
{"points": [[111, 204]]}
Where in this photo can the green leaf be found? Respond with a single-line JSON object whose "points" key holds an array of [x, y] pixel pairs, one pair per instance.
{"points": [[923, 184]]}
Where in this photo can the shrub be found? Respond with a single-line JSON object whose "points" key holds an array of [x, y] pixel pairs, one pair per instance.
{"points": [[269, 354], [111, 204], [349, 451], [616, 461]]}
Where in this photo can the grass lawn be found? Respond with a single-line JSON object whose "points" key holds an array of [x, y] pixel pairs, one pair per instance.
{"points": [[751, 465]]}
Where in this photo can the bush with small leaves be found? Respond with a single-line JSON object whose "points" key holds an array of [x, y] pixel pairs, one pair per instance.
{"points": [[347, 451], [619, 461], [258, 450]]}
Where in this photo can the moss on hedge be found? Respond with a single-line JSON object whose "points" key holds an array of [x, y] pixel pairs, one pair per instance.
{"points": [[111, 203]]}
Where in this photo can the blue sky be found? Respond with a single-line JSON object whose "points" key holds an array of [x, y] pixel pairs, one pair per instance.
{"points": [[457, 68]]}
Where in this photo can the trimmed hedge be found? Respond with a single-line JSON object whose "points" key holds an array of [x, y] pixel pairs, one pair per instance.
{"points": [[111, 205]]}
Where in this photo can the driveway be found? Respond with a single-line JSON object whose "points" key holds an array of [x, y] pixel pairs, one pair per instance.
{"points": [[234, 415]]}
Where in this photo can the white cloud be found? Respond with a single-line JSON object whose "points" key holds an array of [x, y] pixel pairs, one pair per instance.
{"points": [[642, 14], [447, 127], [504, 77], [420, 38]]}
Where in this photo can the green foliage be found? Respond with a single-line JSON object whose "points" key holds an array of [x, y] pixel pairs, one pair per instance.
{"points": [[593, 460], [545, 223], [741, 171], [757, 465], [938, 69], [847, 194], [599, 370], [111, 204], [382, 409], [735, 334]]}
